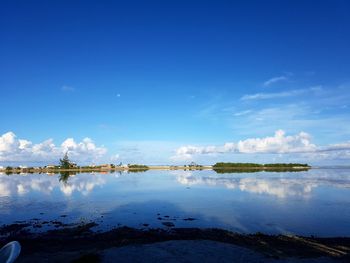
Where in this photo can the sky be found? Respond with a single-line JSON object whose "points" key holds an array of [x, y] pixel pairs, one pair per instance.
{"points": [[170, 82]]}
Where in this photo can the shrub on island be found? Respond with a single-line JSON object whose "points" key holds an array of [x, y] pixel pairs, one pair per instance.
{"points": [[257, 165]]}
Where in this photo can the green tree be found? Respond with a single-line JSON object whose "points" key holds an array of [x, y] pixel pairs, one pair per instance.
{"points": [[65, 162]]}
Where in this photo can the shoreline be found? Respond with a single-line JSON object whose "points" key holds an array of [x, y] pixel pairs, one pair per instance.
{"points": [[74, 243], [160, 167]]}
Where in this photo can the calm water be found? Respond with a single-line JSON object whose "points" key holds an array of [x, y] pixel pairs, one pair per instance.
{"points": [[316, 202]]}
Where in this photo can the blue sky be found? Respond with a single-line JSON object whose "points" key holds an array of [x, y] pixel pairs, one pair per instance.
{"points": [[144, 79]]}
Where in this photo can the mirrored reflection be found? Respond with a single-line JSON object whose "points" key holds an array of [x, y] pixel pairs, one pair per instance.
{"points": [[67, 183], [137, 170], [268, 183], [64, 176], [282, 185], [256, 170], [308, 202]]}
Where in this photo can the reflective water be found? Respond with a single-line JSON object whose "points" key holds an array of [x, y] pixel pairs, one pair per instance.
{"points": [[314, 202]]}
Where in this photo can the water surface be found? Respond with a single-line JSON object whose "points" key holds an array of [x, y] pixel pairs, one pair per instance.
{"points": [[314, 202]]}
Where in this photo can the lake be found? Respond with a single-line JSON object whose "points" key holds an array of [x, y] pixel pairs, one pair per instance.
{"points": [[314, 202]]}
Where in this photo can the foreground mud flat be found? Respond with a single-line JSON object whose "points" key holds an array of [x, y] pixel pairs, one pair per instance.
{"points": [[81, 244]]}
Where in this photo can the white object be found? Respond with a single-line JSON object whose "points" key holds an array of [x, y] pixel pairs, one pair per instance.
{"points": [[10, 252]]}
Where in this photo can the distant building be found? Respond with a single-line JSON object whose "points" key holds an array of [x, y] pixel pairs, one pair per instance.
{"points": [[106, 166], [50, 166]]}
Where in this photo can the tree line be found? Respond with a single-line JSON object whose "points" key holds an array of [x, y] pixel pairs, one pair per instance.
{"points": [[258, 165]]}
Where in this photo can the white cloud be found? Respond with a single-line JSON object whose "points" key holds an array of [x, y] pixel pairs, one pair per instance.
{"points": [[280, 143], [336, 147], [263, 96], [274, 80], [13, 149], [339, 151], [186, 152], [242, 113], [316, 91], [8, 142]]}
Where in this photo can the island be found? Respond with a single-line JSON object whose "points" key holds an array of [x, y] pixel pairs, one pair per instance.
{"points": [[66, 165], [222, 167]]}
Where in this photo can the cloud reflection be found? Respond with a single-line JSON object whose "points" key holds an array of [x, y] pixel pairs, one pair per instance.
{"points": [[301, 184], [275, 184], [22, 184]]}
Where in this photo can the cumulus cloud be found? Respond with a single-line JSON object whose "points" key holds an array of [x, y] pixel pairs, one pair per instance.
{"points": [[186, 152], [339, 151], [13, 149], [280, 143], [274, 80]]}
